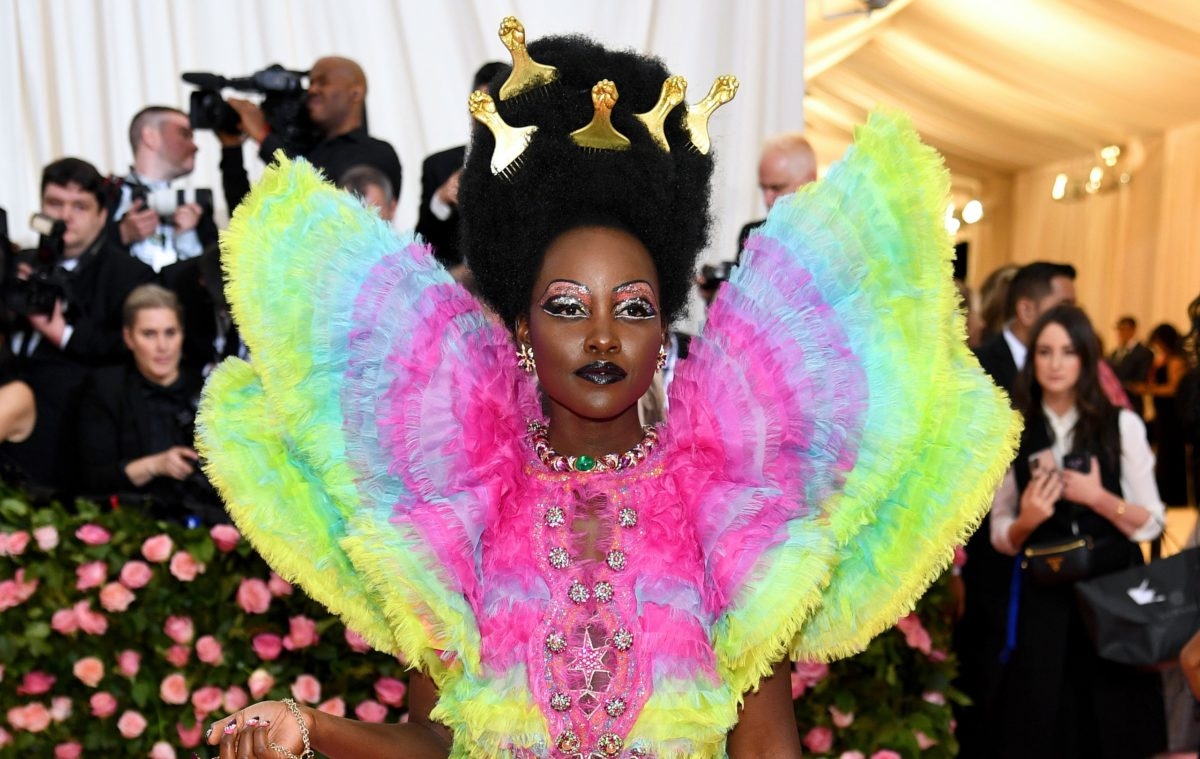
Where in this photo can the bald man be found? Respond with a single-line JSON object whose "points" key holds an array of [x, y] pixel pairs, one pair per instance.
{"points": [[786, 164], [337, 100]]}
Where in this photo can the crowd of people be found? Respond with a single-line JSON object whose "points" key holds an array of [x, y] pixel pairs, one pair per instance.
{"points": [[114, 323]]}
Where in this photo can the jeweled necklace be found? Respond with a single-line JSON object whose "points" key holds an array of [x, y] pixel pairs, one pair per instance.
{"points": [[609, 462]]}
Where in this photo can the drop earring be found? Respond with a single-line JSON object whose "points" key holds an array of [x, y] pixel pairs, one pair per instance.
{"points": [[525, 358]]}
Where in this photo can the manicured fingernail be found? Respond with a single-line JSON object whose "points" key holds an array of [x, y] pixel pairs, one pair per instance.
{"points": [[264, 723], [231, 728], [208, 733], [252, 722]]}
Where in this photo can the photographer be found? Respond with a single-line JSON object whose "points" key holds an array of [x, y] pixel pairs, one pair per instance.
{"points": [[163, 150], [337, 94], [137, 420], [77, 325]]}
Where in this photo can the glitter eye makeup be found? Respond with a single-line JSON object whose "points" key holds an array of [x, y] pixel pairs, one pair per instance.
{"points": [[566, 298], [635, 300]]}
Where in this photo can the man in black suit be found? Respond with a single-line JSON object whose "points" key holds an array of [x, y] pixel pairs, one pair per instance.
{"points": [[1131, 361], [979, 636], [54, 351], [437, 220]]}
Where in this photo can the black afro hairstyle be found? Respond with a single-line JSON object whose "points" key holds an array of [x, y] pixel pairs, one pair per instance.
{"points": [[660, 197]]}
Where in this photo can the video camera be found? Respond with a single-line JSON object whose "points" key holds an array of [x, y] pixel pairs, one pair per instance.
{"points": [[36, 293], [283, 107]]}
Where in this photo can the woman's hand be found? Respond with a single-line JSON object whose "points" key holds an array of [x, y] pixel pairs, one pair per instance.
{"points": [[1084, 488], [1037, 502], [251, 731]]}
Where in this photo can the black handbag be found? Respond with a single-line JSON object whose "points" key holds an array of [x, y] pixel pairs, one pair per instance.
{"points": [[1048, 564], [1143, 616]]}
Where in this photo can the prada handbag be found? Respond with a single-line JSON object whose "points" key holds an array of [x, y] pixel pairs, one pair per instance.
{"points": [[1058, 563], [1144, 615]]}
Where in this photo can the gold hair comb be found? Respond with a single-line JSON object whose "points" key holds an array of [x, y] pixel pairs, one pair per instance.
{"points": [[510, 141], [673, 91], [600, 133], [698, 115], [526, 74]]}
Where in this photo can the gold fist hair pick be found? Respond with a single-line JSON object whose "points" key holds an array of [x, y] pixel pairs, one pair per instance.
{"points": [[673, 91], [600, 134], [696, 121], [510, 141], [526, 74]]}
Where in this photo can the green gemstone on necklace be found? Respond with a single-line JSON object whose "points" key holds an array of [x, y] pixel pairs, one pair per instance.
{"points": [[585, 463]]}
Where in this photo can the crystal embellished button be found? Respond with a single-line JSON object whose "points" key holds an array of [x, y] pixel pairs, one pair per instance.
{"points": [[614, 707], [560, 702], [639, 751], [610, 744], [627, 517], [555, 517], [604, 591], [559, 558], [623, 639], [615, 559], [568, 741], [578, 592], [556, 642]]}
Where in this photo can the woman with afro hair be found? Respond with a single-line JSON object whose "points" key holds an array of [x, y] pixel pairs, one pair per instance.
{"points": [[469, 487]]}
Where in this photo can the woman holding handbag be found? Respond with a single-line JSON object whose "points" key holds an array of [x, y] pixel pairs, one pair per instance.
{"points": [[1076, 502]]}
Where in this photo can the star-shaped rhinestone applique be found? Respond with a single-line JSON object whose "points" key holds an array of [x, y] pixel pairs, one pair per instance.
{"points": [[589, 661]]}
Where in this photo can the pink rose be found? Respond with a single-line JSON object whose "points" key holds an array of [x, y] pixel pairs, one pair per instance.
{"points": [[886, 753], [307, 689], [819, 740], [798, 686], [91, 622], [89, 670], [161, 750], [5, 738], [207, 700], [128, 662], [60, 708], [934, 697], [16, 591], [180, 629], [960, 556], [208, 650], [115, 597], [93, 535], [91, 575], [225, 536], [13, 543], [68, 750], [335, 706], [173, 689], [390, 691], [840, 718], [357, 643], [35, 683], [189, 736], [178, 655], [302, 633], [46, 537], [104, 704], [158, 548], [235, 699], [33, 718], [64, 621], [915, 634], [184, 567], [279, 586], [937, 655], [267, 646], [253, 596], [260, 683], [923, 740], [371, 711], [136, 574], [852, 755]]}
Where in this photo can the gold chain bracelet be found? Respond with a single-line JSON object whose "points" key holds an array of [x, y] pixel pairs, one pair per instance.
{"points": [[307, 753]]}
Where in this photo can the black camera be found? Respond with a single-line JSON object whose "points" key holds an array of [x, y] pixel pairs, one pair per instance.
{"points": [[713, 275], [164, 201], [283, 107], [42, 285]]}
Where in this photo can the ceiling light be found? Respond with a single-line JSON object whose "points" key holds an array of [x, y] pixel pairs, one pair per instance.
{"points": [[1060, 187], [972, 211]]}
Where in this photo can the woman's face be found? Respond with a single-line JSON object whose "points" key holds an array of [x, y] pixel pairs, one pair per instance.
{"points": [[156, 341], [1056, 362], [594, 323]]}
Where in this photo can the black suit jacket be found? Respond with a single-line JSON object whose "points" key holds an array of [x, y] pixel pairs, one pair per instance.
{"points": [[441, 234], [997, 360], [747, 230], [1134, 365]]}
